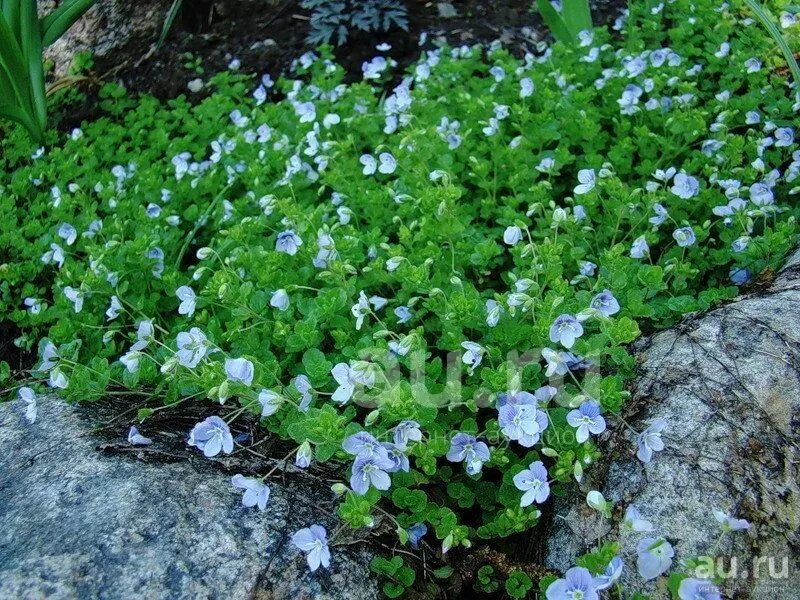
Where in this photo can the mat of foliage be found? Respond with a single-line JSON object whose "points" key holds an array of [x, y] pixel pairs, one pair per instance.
{"points": [[433, 286]]}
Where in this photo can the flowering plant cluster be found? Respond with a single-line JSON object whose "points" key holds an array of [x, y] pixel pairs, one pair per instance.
{"points": [[432, 288]]}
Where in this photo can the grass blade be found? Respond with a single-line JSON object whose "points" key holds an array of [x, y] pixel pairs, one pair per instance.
{"points": [[577, 16], [169, 21], [31, 40], [766, 20]]}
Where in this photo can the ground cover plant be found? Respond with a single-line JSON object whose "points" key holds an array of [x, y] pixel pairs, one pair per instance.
{"points": [[433, 288]]}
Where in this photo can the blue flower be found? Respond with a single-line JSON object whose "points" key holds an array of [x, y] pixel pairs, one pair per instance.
{"points": [[239, 370], [654, 557], [512, 235], [605, 303], [371, 471], [363, 445], [565, 329], [533, 482], [403, 314], [650, 441], [279, 300], [256, 492], [698, 589], [473, 355], [288, 242], [587, 180], [739, 276], [633, 520], [587, 419], [466, 448], [639, 248], [684, 236], [137, 439], [522, 423], [612, 573], [188, 300], [212, 436], [577, 583], [557, 362], [415, 533], [493, 312], [729, 523], [304, 456], [270, 402], [661, 215], [685, 186], [405, 431], [192, 347], [28, 396], [314, 542], [398, 458]]}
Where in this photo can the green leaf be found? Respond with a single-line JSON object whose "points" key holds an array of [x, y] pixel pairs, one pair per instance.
{"points": [[54, 25], [577, 16], [555, 23]]}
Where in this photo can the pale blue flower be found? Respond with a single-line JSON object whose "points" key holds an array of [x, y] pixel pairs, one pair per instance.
{"points": [[739, 276], [114, 308], [304, 456], [578, 584], [54, 256], [633, 520], [556, 362], [565, 330], [493, 312], [650, 441], [69, 234], [587, 419], [270, 401], [654, 557], [685, 186], [398, 458], [256, 492], [137, 439], [371, 471], [639, 248], [466, 448], [28, 396], [239, 370], [302, 384], [522, 423], [314, 542], [587, 268], [130, 360], [587, 180], [512, 235], [34, 305], [605, 303], [75, 296], [405, 432], [279, 300], [192, 347], [403, 314], [784, 136], [188, 300], [533, 483], [684, 236], [473, 355], [360, 309], [698, 589], [729, 523], [612, 573], [363, 445], [212, 436], [526, 87], [761, 194], [288, 242], [144, 335], [661, 215]]}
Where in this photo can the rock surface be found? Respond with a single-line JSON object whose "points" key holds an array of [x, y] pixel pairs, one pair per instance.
{"points": [[76, 522], [728, 384], [115, 31]]}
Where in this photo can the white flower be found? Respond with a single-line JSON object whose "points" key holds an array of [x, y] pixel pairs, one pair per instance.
{"points": [[344, 376], [587, 179], [114, 308], [239, 370], [131, 360], [188, 300], [75, 296], [493, 312], [280, 300], [394, 262]]}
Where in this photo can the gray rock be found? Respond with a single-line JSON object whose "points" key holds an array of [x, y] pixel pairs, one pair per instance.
{"points": [[80, 522], [728, 384], [114, 31]]}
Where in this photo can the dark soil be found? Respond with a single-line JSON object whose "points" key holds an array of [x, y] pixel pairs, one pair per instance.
{"points": [[267, 35]]}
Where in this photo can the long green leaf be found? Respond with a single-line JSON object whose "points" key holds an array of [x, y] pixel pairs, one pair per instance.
{"points": [[57, 22], [554, 22], [577, 16], [768, 22], [11, 13], [169, 21], [31, 40], [17, 115], [12, 66]]}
